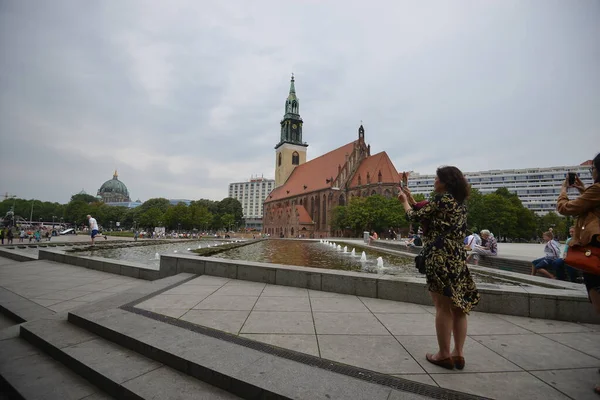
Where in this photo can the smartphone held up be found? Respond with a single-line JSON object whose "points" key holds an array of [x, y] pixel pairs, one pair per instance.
{"points": [[404, 180], [571, 176]]}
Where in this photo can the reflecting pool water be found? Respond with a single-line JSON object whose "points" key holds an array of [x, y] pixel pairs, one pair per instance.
{"points": [[149, 255], [314, 254]]}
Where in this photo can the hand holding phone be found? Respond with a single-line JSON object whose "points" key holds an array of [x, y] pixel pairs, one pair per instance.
{"points": [[404, 180], [571, 176]]}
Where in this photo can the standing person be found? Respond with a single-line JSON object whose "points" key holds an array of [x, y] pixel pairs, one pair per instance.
{"points": [[551, 254], [2, 234], [10, 235], [448, 279], [93, 229], [586, 208], [22, 235]]}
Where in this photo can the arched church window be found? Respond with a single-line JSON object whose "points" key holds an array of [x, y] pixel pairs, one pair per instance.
{"points": [[296, 158], [359, 180], [379, 177], [368, 178], [342, 200], [279, 163]]}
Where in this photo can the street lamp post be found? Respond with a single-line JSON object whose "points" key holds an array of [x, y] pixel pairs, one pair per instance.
{"points": [[31, 214]]}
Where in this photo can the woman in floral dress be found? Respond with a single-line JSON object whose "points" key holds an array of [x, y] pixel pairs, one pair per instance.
{"points": [[448, 279]]}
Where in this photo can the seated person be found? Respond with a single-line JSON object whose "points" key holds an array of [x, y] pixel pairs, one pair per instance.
{"points": [[489, 245], [563, 270], [415, 240], [373, 236], [551, 253], [470, 242]]}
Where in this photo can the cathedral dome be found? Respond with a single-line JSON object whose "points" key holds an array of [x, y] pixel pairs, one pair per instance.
{"points": [[114, 190]]}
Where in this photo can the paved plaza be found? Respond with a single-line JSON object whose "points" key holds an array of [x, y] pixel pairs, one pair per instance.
{"points": [[507, 357]]}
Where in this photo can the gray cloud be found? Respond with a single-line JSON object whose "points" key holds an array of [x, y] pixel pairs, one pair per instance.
{"points": [[185, 97]]}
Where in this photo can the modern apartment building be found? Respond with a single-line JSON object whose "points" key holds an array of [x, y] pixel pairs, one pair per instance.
{"points": [[538, 188], [252, 194]]}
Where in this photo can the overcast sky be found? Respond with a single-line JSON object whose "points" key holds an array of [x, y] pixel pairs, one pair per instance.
{"points": [[184, 97]]}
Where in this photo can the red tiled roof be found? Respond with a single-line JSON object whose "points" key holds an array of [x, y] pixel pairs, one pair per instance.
{"points": [[372, 165], [588, 162], [312, 174], [303, 216]]}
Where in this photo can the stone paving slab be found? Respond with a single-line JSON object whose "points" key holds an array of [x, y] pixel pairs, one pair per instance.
{"points": [[535, 352], [38, 289], [227, 321], [574, 382], [38, 376], [166, 383], [279, 322], [501, 385], [382, 354], [478, 357], [392, 338]]}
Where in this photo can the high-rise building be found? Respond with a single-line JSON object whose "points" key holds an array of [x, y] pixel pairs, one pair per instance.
{"points": [[537, 188], [252, 194]]}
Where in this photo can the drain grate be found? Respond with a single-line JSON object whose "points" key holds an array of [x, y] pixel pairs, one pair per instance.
{"points": [[401, 384]]}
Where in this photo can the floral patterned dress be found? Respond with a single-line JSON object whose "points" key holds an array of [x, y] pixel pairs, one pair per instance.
{"points": [[445, 255]]}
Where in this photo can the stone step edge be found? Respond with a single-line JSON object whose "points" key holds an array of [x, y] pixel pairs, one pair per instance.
{"points": [[14, 391], [96, 378], [232, 385]]}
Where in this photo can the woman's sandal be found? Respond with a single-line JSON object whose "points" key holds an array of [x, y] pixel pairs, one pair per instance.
{"points": [[445, 363], [459, 362]]}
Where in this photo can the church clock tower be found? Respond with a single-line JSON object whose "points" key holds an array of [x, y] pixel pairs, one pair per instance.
{"points": [[291, 150]]}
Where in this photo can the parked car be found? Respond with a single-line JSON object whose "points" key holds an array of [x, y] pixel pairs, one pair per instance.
{"points": [[69, 231]]}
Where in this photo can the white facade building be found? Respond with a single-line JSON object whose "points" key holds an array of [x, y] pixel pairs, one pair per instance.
{"points": [[537, 188], [252, 194]]}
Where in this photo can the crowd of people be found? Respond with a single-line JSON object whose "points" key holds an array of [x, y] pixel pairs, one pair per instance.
{"points": [[22, 234]]}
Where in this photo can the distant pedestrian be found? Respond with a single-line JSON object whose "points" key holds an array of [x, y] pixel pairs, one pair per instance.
{"points": [[93, 229], [10, 235], [2, 235], [22, 235]]}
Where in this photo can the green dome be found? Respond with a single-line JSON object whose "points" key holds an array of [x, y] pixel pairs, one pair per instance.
{"points": [[114, 190]]}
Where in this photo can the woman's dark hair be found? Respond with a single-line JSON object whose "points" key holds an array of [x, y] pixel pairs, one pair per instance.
{"points": [[455, 182], [596, 163]]}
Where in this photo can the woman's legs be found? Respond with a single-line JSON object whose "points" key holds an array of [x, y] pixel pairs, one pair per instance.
{"points": [[443, 325], [459, 331]]}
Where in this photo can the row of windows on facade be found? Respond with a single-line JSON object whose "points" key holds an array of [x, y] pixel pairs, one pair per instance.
{"points": [[543, 178], [252, 184]]}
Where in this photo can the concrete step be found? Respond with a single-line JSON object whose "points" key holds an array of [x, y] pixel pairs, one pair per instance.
{"points": [[244, 371], [33, 375], [120, 372]]}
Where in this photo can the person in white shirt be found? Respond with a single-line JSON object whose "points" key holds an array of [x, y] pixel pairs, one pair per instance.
{"points": [[93, 229], [551, 253]]}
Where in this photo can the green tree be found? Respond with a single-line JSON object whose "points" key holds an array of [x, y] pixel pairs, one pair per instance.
{"points": [[177, 217], [160, 203], [200, 216], [228, 220], [150, 218], [232, 206], [87, 198]]}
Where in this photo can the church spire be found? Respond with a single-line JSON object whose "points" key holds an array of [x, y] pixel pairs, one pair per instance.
{"points": [[291, 125], [292, 87], [115, 175]]}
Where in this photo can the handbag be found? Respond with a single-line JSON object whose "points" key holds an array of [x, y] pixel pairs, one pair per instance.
{"points": [[584, 258], [420, 262]]}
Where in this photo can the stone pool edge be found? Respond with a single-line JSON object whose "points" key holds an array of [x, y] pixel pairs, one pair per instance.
{"points": [[563, 305]]}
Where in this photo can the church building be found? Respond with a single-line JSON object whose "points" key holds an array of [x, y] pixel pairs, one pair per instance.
{"points": [[306, 192]]}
